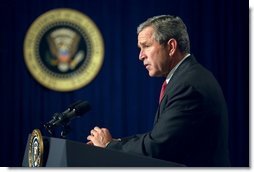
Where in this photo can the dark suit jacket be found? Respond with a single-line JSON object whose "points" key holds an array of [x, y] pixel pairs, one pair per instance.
{"points": [[190, 126]]}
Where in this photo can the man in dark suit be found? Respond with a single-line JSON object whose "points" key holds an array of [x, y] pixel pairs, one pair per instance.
{"points": [[190, 126]]}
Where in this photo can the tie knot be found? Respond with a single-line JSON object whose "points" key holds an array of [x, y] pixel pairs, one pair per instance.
{"points": [[164, 84]]}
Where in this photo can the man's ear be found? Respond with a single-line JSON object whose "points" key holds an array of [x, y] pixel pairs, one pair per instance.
{"points": [[172, 45]]}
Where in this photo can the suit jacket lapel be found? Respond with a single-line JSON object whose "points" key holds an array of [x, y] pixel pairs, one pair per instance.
{"points": [[185, 64]]}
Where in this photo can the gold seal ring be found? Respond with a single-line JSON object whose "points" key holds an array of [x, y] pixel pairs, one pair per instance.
{"points": [[63, 49], [36, 149]]}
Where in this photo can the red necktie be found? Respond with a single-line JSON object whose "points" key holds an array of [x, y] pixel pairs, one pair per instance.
{"points": [[163, 88]]}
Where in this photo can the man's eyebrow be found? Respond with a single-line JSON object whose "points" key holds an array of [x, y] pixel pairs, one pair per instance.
{"points": [[141, 44]]}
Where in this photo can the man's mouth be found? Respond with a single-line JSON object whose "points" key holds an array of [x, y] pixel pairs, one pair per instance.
{"points": [[146, 66]]}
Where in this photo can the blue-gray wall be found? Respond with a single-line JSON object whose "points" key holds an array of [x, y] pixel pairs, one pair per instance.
{"points": [[123, 97]]}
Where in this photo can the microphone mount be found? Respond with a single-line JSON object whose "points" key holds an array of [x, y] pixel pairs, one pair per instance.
{"points": [[65, 124], [63, 119]]}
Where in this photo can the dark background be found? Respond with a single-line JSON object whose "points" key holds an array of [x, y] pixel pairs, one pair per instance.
{"points": [[123, 97]]}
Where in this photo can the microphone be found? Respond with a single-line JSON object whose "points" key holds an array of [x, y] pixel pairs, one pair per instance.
{"points": [[76, 109]]}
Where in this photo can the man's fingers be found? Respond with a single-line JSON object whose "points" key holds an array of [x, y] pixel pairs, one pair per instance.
{"points": [[91, 132], [90, 143], [94, 132], [88, 137], [97, 129], [99, 137], [105, 130]]}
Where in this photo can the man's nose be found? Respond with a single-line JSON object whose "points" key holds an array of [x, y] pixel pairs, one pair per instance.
{"points": [[141, 55]]}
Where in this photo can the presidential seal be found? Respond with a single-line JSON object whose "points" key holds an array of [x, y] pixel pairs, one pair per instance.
{"points": [[35, 154], [63, 49]]}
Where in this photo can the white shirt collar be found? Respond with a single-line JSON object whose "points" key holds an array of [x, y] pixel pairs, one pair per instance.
{"points": [[174, 69]]}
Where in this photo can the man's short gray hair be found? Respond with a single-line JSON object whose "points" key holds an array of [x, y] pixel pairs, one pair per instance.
{"points": [[167, 27]]}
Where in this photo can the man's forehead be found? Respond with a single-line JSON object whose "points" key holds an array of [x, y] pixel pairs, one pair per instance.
{"points": [[146, 32], [145, 35]]}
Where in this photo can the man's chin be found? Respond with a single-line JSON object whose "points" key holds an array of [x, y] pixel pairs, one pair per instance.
{"points": [[151, 74]]}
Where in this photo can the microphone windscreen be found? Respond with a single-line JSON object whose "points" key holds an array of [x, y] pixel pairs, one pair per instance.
{"points": [[82, 108], [72, 106]]}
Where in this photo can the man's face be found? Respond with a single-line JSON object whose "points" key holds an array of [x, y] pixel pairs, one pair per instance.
{"points": [[155, 57]]}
